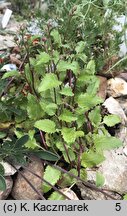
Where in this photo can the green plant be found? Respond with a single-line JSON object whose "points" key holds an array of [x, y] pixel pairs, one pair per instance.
{"points": [[51, 108]]}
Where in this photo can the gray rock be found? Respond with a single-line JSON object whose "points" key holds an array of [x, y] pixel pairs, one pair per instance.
{"points": [[114, 170], [114, 107], [22, 190], [9, 170], [6, 42], [9, 184], [123, 104], [116, 87], [90, 194]]}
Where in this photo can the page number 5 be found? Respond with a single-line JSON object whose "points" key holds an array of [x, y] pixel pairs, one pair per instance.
{"points": [[118, 207]]}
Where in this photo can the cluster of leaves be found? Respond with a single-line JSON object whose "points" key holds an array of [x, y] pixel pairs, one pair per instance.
{"points": [[51, 108]]}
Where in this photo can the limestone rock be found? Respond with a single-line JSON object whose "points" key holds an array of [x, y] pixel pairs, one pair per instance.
{"points": [[22, 190], [114, 170], [114, 107], [9, 170], [123, 104], [6, 42], [90, 194], [9, 184], [116, 87]]}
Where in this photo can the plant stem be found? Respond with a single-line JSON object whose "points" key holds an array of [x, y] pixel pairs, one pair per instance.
{"points": [[43, 140], [66, 150], [116, 64], [55, 98]]}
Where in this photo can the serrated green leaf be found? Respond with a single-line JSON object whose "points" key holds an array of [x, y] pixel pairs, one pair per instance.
{"points": [[80, 47], [64, 65], [81, 120], [45, 155], [49, 108], [56, 56], [68, 134], [67, 116], [11, 74], [43, 58], [56, 36], [51, 175], [83, 174], [87, 101], [2, 183], [56, 196], [100, 180], [90, 69], [93, 86], [60, 146], [71, 154], [2, 170], [95, 116], [33, 108], [46, 125], [82, 57], [106, 143], [28, 74], [49, 81], [74, 66], [31, 143], [85, 78], [67, 91], [79, 134], [91, 159], [111, 120]]}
